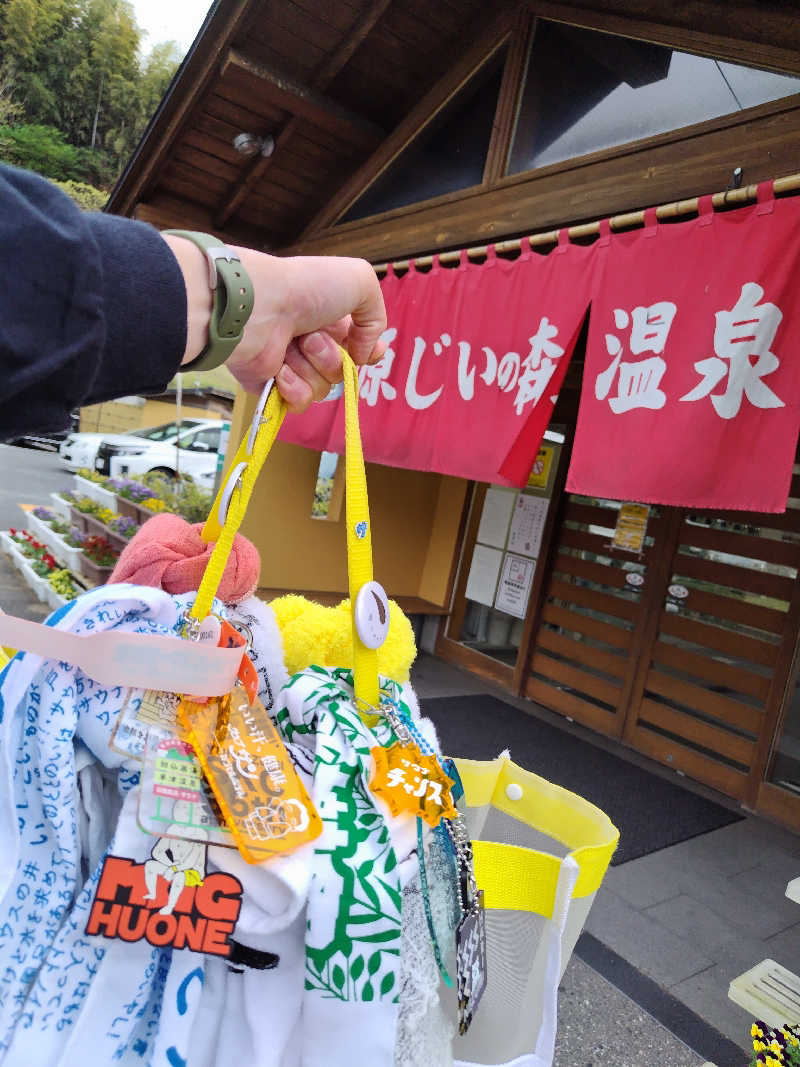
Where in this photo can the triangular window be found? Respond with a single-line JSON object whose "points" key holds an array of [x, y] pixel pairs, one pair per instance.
{"points": [[586, 91], [449, 154]]}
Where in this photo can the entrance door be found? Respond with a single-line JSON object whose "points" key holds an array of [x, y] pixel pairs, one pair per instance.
{"points": [[719, 648], [683, 651], [587, 646]]}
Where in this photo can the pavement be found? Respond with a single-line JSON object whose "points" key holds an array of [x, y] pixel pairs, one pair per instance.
{"points": [[648, 982]]}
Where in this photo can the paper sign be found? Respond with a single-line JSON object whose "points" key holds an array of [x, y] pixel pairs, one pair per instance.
{"points": [[495, 517], [631, 527], [540, 472], [515, 585], [527, 524], [483, 573]]}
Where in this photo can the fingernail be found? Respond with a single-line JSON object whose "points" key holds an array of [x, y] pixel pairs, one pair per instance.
{"points": [[287, 375], [313, 345]]}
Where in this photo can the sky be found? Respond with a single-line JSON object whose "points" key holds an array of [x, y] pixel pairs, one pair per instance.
{"points": [[170, 20]]}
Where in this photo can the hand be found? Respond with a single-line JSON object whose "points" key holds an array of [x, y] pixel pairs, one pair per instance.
{"points": [[303, 305]]}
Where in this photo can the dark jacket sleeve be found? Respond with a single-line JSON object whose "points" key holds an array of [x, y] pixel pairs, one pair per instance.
{"points": [[91, 306]]}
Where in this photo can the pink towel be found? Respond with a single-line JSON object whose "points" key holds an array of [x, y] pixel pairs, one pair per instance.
{"points": [[169, 553]]}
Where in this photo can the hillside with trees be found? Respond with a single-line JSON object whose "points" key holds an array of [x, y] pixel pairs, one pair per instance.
{"points": [[75, 90]]}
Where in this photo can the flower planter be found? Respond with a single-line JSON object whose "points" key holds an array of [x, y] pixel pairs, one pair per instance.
{"points": [[54, 599], [96, 492], [79, 520], [95, 527], [93, 573], [67, 555], [133, 511], [60, 506]]}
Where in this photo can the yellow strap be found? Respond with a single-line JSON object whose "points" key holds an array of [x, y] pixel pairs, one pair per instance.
{"points": [[523, 879], [271, 420], [359, 542], [359, 533]]}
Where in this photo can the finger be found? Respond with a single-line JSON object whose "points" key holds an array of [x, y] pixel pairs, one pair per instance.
{"points": [[296, 392], [324, 355], [304, 369]]}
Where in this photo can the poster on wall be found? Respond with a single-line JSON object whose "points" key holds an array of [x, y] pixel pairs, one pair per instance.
{"points": [[527, 524], [542, 465], [483, 574], [629, 533], [495, 517], [515, 585]]}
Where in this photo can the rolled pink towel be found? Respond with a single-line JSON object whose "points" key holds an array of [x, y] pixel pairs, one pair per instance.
{"points": [[169, 553]]}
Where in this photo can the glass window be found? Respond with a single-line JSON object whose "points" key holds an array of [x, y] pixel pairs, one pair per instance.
{"points": [[585, 91], [202, 441], [448, 154], [167, 429]]}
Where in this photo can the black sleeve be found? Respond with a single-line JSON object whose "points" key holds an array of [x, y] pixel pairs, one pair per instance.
{"points": [[91, 306]]}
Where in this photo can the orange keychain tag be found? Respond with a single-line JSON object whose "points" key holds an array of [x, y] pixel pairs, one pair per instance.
{"points": [[260, 796], [410, 782]]}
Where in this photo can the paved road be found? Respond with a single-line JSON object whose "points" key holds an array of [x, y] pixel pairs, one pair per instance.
{"points": [[27, 476]]}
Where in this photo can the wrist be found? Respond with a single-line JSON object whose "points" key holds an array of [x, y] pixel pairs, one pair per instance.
{"points": [[199, 300]]}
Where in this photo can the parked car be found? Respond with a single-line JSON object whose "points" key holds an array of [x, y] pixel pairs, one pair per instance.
{"points": [[192, 451], [79, 450]]}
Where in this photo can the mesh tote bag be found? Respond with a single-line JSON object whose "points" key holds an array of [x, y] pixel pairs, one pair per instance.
{"points": [[541, 853]]}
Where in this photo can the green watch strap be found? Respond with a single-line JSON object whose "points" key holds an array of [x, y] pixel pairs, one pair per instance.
{"points": [[233, 299]]}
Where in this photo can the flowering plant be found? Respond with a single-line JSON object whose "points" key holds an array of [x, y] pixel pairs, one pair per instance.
{"points": [[45, 514], [129, 489], [123, 526], [775, 1046], [61, 581], [87, 506], [100, 552], [154, 504], [91, 476]]}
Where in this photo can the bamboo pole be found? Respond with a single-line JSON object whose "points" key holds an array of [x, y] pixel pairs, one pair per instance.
{"points": [[791, 183]]}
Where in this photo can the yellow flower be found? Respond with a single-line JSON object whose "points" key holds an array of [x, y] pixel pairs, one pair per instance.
{"points": [[758, 1046], [154, 504], [756, 1031]]}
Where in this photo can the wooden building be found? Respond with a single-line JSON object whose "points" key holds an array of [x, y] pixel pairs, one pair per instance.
{"points": [[397, 128]]}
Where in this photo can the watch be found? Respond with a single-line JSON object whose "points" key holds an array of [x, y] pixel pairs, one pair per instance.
{"points": [[233, 300]]}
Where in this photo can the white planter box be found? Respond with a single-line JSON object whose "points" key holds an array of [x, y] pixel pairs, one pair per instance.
{"points": [[54, 599], [60, 506], [10, 546], [65, 554], [96, 492]]}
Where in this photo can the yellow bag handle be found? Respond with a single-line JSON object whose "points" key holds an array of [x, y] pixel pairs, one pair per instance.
{"points": [[230, 506]]}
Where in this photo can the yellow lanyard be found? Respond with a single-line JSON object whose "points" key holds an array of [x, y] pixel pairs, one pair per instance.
{"points": [[230, 506]]}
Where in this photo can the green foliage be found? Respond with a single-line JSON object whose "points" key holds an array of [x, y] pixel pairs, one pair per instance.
{"points": [[39, 148], [75, 66], [182, 496]]}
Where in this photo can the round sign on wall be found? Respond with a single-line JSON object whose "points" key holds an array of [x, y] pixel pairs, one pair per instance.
{"points": [[680, 592], [635, 579]]}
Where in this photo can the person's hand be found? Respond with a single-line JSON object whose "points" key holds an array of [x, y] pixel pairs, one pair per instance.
{"points": [[303, 306]]}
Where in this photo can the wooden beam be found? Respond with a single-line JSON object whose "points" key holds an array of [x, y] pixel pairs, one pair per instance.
{"points": [[304, 102], [483, 42], [193, 78], [672, 166], [755, 34], [320, 80], [508, 100]]}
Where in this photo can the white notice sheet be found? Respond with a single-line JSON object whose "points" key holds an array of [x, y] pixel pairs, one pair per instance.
{"points": [[495, 517], [515, 585], [527, 524], [482, 581]]}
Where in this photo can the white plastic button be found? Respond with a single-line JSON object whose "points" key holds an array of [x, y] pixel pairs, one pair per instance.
{"points": [[372, 614], [514, 791]]}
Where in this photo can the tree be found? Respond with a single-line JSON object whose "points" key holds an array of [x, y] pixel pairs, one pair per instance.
{"points": [[39, 148], [75, 66]]}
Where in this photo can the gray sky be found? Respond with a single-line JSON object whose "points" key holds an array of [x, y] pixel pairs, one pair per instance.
{"points": [[170, 20]]}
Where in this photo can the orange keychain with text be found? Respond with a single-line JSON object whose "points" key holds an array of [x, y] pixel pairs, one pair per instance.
{"points": [[260, 796]]}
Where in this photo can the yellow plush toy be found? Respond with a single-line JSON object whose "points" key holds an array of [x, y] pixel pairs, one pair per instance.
{"points": [[313, 634]]}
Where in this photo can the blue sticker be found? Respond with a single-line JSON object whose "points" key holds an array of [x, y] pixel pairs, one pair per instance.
{"points": [[361, 530]]}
